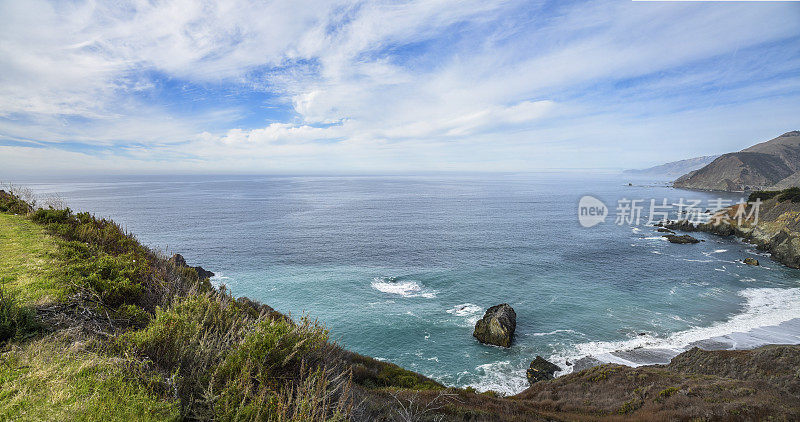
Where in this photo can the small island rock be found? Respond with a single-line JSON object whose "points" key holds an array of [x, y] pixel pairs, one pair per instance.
{"points": [[751, 261], [541, 370], [497, 326], [681, 239]]}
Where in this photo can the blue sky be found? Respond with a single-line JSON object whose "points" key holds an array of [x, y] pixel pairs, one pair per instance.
{"points": [[389, 86]]}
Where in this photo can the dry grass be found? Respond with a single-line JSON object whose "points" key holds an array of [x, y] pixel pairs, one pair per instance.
{"points": [[55, 379]]}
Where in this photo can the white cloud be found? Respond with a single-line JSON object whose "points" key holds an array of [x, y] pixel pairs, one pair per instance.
{"points": [[399, 84]]}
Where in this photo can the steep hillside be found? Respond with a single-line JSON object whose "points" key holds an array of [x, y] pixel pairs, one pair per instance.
{"points": [[761, 166]]}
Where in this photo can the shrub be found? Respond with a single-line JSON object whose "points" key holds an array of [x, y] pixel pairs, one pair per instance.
{"points": [[13, 204], [791, 194], [763, 195], [52, 216], [227, 365], [276, 356], [665, 393]]}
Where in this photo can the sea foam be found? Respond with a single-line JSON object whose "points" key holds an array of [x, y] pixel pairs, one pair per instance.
{"points": [[407, 288], [764, 307]]}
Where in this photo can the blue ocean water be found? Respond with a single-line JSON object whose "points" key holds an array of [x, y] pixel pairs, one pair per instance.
{"points": [[401, 267]]}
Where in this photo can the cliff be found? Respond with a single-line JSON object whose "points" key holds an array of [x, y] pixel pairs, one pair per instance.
{"points": [[767, 164], [775, 227]]}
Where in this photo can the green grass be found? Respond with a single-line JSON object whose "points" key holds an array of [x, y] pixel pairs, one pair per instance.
{"points": [[48, 379], [43, 378], [28, 262]]}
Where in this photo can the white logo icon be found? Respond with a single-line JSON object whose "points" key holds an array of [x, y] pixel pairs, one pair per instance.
{"points": [[591, 211]]}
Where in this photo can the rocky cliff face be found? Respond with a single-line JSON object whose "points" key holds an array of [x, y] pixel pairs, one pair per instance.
{"points": [[771, 163], [777, 229]]}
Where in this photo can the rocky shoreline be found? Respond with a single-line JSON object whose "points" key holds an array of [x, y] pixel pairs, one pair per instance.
{"points": [[775, 230]]}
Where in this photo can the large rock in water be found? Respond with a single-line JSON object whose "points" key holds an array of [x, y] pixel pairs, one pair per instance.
{"points": [[497, 326], [541, 370], [751, 261]]}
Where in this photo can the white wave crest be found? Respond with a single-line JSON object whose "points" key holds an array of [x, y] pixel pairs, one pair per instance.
{"points": [[470, 311], [403, 288], [764, 307]]}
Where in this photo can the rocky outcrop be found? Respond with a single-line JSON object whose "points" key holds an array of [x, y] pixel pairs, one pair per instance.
{"points": [[497, 326], [541, 370], [741, 385], [751, 261], [777, 229], [178, 261], [682, 239]]}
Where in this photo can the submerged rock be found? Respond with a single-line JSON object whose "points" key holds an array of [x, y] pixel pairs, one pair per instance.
{"points": [[585, 363], [751, 261], [541, 370], [178, 261], [683, 239], [497, 326]]}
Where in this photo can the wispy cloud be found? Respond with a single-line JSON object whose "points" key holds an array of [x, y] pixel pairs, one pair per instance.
{"points": [[365, 86]]}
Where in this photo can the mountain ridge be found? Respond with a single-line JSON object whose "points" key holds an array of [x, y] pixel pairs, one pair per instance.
{"points": [[675, 168], [771, 164]]}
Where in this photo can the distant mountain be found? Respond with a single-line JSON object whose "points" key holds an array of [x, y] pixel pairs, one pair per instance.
{"points": [[675, 168], [769, 165]]}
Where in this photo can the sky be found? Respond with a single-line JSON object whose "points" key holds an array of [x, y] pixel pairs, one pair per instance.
{"points": [[258, 87]]}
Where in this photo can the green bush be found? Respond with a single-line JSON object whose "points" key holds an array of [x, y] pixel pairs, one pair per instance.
{"points": [[791, 194], [12, 204], [253, 376], [52, 216], [763, 195]]}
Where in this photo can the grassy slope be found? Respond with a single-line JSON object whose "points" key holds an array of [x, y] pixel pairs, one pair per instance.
{"points": [[47, 378], [27, 258]]}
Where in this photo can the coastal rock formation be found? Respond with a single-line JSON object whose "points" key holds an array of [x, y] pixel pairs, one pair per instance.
{"points": [[683, 239], [541, 370], [497, 326], [770, 164], [664, 230], [751, 261], [755, 384], [178, 261], [777, 229]]}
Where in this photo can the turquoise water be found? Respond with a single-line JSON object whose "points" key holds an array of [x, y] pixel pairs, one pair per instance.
{"points": [[401, 267]]}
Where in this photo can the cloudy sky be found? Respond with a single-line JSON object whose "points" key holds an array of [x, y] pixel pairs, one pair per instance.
{"points": [[389, 86]]}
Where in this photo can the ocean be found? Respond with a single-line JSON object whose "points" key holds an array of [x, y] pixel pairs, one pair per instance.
{"points": [[401, 267]]}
